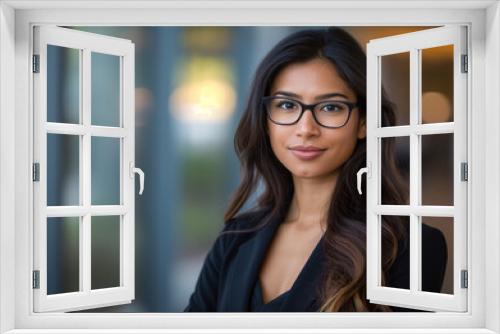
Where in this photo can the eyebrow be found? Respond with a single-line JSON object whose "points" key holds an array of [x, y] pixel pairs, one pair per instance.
{"points": [[319, 97]]}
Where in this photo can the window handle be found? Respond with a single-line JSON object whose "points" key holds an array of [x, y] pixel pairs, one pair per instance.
{"points": [[366, 170], [134, 170]]}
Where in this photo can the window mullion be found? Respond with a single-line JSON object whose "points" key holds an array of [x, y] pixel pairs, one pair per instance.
{"points": [[85, 236], [415, 175]]}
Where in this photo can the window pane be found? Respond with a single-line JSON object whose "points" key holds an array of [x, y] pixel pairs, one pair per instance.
{"points": [[105, 171], [437, 169], [437, 257], [398, 275], [105, 89], [63, 178], [391, 168], [63, 255], [105, 245], [395, 74], [63, 84], [437, 84]]}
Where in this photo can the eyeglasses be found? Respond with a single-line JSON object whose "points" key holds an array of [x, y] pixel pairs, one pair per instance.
{"points": [[287, 111]]}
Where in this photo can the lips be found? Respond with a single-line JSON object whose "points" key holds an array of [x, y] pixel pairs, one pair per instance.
{"points": [[306, 148], [307, 152]]}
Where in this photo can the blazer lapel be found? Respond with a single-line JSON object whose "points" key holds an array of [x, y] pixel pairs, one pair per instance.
{"points": [[246, 266], [303, 293]]}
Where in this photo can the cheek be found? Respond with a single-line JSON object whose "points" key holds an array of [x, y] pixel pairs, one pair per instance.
{"points": [[346, 138], [344, 144], [276, 138]]}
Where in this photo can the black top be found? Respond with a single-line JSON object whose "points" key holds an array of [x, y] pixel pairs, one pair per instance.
{"points": [[229, 282], [257, 303]]}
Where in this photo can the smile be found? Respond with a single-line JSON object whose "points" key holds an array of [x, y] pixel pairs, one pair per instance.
{"points": [[307, 154]]}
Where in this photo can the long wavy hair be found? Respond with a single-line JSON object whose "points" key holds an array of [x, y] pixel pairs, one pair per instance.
{"points": [[343, 285]]}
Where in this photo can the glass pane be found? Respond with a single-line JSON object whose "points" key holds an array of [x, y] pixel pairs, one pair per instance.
{"points": [[105, 247], [395, 169], [437, 254], [437, 84], [395, 74], [105, 89], [63, 255], [437, 169], [63, 84], [63, 167], [105, 171], [397, 274]]}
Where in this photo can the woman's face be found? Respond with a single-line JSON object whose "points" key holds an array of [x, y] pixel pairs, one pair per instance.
{"points": [[307, 81]]}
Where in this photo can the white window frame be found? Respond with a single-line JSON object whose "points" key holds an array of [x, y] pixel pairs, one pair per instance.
{"points": [[86, 43], [413, 43], [16, 20]]}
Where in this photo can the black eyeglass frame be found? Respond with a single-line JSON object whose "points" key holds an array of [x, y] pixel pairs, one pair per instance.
{"points": [[310, 107]]}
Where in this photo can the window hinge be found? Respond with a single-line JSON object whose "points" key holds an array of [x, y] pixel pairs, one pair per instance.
{"points": [[36, 63], [36, 171], [465, 67], [36, 279], [465, 279], [464, 171]]}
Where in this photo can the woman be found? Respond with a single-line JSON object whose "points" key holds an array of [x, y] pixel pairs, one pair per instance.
{"points": [[303, 135]]}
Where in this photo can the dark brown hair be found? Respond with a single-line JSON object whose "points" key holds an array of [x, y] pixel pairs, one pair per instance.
{"points": [[344, 281]]}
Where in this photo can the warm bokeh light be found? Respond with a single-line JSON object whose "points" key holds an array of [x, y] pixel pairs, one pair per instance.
{"points": [[207, 100], [204, 89], [436, 108]]}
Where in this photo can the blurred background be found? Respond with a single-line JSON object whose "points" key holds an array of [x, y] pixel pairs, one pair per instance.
{"points": [[191, 85]]}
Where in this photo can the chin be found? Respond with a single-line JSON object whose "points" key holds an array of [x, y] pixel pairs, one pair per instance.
{"points": [[305, 173], [310, 173]]}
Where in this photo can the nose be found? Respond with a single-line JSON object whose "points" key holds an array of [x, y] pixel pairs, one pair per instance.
{"points": [[307, 125]]}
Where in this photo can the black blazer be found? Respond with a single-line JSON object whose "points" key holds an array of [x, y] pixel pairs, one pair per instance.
{"points": [[231, 267]]}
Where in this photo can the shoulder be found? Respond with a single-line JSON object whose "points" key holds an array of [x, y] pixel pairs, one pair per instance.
{"points": [[434, 260], [432, 240], [241, 227], [245, 220]]}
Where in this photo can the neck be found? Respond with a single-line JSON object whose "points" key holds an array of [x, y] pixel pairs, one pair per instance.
{"points": [[311, 200]]}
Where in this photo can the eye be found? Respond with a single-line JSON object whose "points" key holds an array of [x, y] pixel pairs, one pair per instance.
{"points": [[285, 105], [333, 107]]}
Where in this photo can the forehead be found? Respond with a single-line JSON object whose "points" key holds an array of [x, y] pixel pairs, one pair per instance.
{"points": [[308, 79]]}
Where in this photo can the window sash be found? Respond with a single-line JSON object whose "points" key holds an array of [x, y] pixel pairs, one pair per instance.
{"points": [[86, 43], [413, 42]]}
